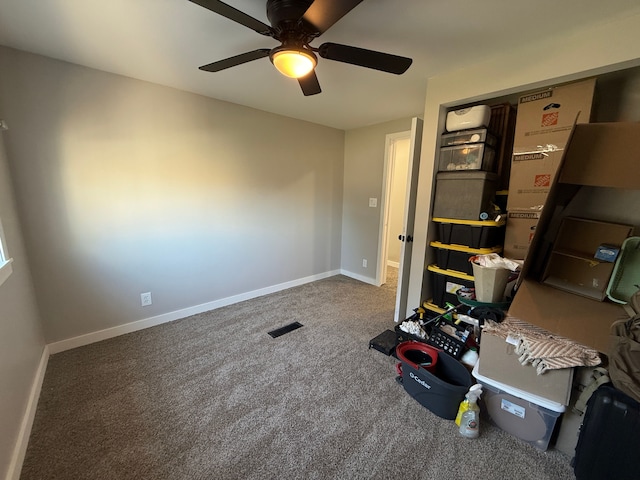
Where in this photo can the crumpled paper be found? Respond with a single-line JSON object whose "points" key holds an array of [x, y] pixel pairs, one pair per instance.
{"points": [[493, 260], [413, 328]]}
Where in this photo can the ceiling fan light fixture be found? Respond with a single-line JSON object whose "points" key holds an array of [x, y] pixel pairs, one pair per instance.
{"points": [[293, 62]]}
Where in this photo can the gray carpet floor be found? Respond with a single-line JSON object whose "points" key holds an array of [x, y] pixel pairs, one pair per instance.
{"points": [[213, 396]]}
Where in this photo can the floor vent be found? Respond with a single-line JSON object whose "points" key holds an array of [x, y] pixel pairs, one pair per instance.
{"points": [[286, 329]]}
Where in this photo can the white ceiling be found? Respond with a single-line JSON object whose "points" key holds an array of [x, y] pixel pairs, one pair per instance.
{"points": [[165, 41]]}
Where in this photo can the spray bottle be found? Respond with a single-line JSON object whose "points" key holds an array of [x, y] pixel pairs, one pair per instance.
{"points": [[468, 418]]}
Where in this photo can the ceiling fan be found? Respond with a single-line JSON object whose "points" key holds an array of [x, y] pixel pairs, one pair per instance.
{"points": [[295, 24]]}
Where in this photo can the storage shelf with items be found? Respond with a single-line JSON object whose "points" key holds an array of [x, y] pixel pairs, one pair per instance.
{"points": [[459, 240], [467, 215], [574, 265]]}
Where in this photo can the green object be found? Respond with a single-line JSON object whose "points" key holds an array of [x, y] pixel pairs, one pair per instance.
{"points": [[449, 316], [474, 303], [625, 279]]}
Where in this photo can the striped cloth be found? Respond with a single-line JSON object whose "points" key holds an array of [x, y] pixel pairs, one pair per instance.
{"points": [[541, 348]]}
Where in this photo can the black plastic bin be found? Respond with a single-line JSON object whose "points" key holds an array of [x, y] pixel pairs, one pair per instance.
{"points": [[471, 233], [441, 391], [446, 283], [456, 257]]}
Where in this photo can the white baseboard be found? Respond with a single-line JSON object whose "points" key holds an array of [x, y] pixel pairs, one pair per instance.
{"points": [[393, 264], [107, 333], [362, 278], [20, 448]]}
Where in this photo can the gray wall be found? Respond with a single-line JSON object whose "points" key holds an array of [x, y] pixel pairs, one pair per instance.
{"points": [[21, 339], [126, 187], [363, 175]]}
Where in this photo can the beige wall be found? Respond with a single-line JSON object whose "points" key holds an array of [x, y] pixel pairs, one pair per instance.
{"points": [[363, 176], [127, 187], [576, 54], [21, 340]]}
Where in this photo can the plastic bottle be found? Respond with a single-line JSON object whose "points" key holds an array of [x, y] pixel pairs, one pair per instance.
{"points": [[464, 405], [469, 425]]}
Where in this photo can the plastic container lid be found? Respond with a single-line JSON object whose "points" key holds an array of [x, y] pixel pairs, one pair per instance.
{"points": [[465, 249], [473, 223], [450, 273], [516, 392]]}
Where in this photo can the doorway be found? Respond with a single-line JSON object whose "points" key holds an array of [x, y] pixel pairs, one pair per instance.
{"points": [[397, 165], [400, 185]]}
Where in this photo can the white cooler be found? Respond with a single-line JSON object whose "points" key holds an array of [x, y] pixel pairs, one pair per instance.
{"points": [[466, 118]]}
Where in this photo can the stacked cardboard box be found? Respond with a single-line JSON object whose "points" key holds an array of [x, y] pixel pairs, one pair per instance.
{"points": [[599, 157], [543, 124]]}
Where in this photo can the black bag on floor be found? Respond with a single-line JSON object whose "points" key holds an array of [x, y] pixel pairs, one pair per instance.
{"points": [[609, 441]]}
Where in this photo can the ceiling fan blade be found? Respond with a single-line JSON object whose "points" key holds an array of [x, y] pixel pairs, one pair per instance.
{"points": [[310, 84], [322, 14], [236, 15], [365, 58], [237, 60]]}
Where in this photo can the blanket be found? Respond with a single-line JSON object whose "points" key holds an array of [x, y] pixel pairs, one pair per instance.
{"points": [[542, 349]]}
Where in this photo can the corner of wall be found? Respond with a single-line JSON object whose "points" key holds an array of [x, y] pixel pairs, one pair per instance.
{"points": [[20, 449]]}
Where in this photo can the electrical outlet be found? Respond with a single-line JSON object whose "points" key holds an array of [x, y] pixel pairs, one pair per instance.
{"points": [[364, 262], [145, 299], [373, 202]]}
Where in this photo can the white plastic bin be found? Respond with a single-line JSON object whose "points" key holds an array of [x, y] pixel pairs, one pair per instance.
{"points": [[524, 415]]}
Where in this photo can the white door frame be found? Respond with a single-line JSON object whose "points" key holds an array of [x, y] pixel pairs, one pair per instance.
{"points": [[415, 135], [385, 211]]}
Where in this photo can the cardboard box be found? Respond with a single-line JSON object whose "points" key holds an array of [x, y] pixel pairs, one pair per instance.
{"points": [[546, 117], [604, 155], [499, 362], [597, 155], [531, 179], [543, 124], [579, 318], [521, 226]]}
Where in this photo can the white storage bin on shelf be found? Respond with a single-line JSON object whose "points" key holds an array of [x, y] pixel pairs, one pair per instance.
{"points": [[465, 118], [524, 415]]}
